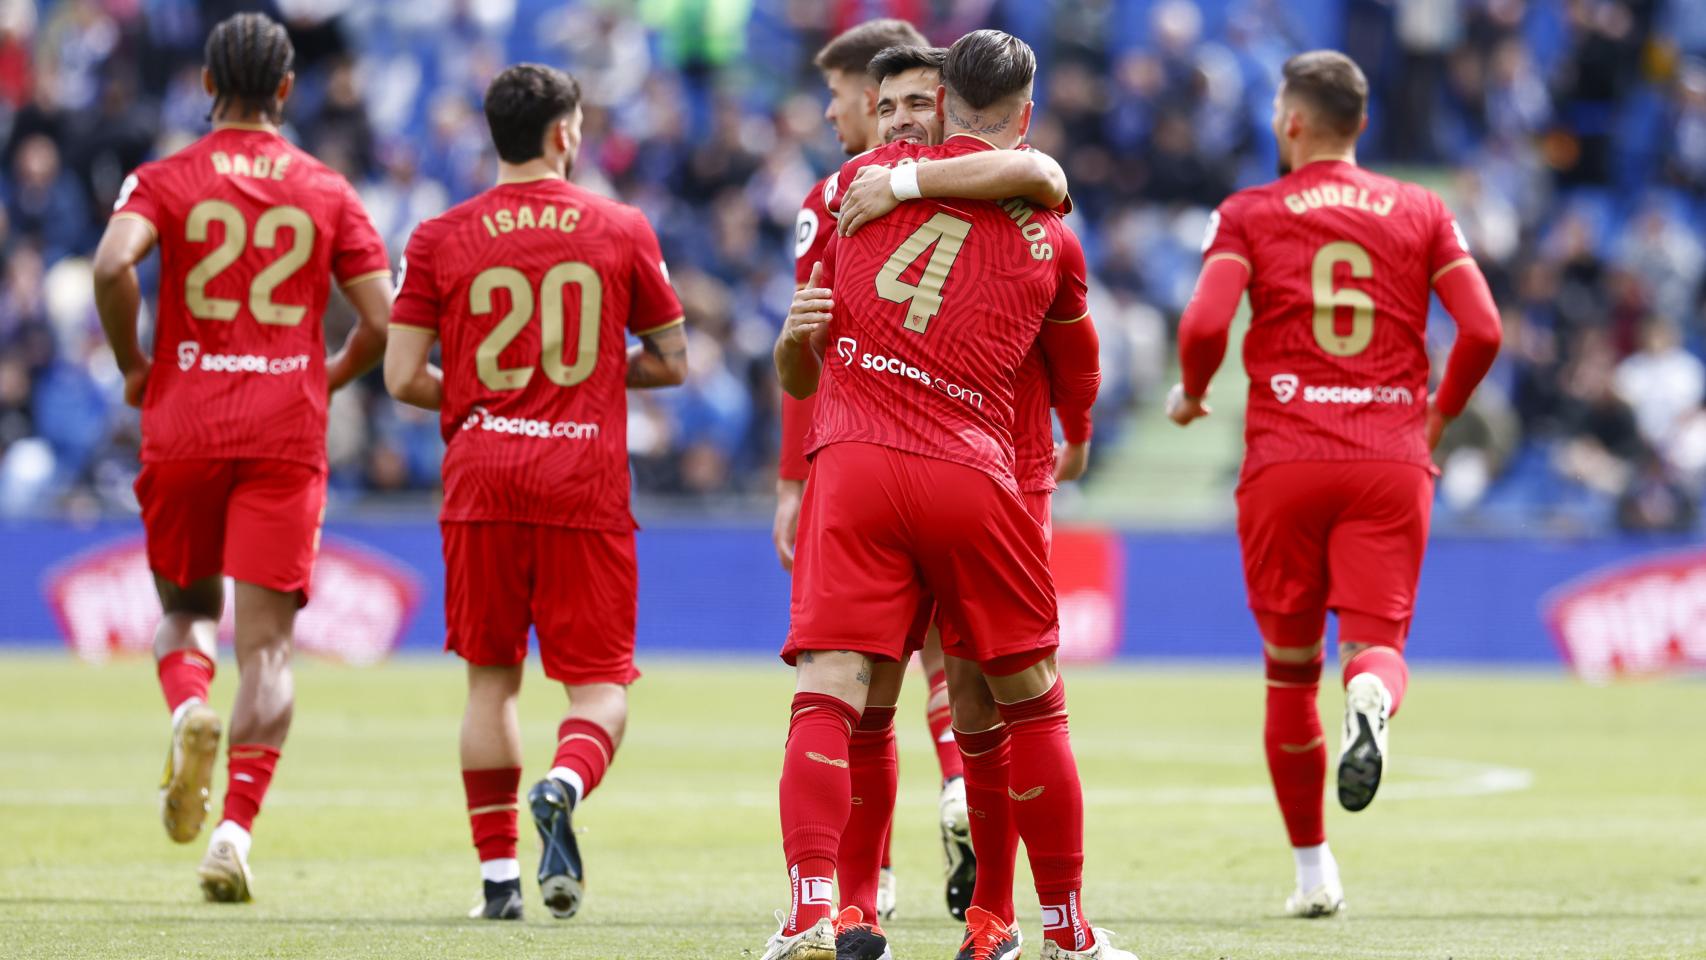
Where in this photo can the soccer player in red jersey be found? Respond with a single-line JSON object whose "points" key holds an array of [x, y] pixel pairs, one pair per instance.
{"points": [[530, 288], [909, 81], [912, 491], [853, 113], [1337, 483], [233, 481]]}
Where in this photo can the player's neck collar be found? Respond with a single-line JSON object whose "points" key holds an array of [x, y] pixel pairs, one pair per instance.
{"points": [[1350, 158], [243, 125], [971, 136]]}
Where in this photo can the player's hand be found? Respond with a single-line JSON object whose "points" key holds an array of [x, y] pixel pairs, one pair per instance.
{"points": [[789, 494], [1182, 409], [136, 382], [809, 313], [1070, 461], [867, 199], [1437, 422]]}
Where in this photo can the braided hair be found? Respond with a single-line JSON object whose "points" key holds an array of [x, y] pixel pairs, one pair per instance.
{"points": [[249, 55]]}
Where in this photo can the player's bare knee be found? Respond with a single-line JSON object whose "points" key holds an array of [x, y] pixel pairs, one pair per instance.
{"points": [[1011, 680], [969, 698], [842, 674], [605, 704], [202, 599], [1360, 631], [495, 683], [886, 679]]}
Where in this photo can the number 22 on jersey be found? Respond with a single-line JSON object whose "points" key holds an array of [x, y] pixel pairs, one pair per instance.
{"points": [[267, 225]]}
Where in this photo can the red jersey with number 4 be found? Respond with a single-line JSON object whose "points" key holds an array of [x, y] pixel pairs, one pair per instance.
{"points": [[531, 288], [1342, 263], [936, 306], [251, 231]]}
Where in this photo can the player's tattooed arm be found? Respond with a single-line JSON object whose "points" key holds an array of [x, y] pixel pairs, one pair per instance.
{"points": [[118, 298], [987, 175], [799, 348], [659, 359], [409, 373], [365, 346]]}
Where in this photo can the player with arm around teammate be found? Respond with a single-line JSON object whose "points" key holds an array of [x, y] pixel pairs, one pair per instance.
{"points": [[1337, 483], [912, 493], [909, 90], [251, 231], [529, 289]]}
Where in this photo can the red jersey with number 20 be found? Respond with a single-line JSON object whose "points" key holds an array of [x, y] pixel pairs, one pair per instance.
{"points": [[251, 230], [936, 306], [531, 288], [1342, 263]]}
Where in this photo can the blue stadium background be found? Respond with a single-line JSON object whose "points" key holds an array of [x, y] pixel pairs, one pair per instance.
{"points": [[1568, 135]]}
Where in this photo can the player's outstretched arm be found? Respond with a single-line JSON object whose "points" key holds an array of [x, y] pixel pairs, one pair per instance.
{"points": [[118, 297], [659, 359], [1464, 292], [365, 346], [1203, 333], [987, 175], [799, 348], [409, 373]]}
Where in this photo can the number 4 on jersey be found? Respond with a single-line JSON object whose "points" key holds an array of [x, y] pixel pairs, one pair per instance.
{"points": [[924, 299]]}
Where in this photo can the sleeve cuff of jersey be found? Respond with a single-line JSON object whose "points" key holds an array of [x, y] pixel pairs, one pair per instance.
{"points": [[1073, 320], [1453, 265], [1234, 257], [414, 326], [369, 275], [678, 321], [128, 215]]}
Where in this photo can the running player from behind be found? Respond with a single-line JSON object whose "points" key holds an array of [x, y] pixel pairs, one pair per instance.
{"points": [[1337, 484], [1061, 369], [912, 494], [251, 232], [853, 112], [531, 289]]}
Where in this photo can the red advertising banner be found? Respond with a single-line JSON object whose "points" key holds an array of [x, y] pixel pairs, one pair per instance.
{"points": [[105, 603], [1635, 619], [1090, 583]]}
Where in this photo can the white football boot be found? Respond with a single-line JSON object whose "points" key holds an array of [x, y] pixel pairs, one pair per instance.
{"points": [[887, 897], [1325, 900], [956, 846], [816, 942], [1103, 950], [185, 786], [1362, 756]]}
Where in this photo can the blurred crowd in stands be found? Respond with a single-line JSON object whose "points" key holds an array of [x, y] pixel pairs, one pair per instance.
{"points": [[1569, 136]]}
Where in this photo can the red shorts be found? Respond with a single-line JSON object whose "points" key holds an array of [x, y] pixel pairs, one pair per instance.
{"points": [[1323, 536], [257, 521], [1040, 505], [578, 589], [880, 530]]}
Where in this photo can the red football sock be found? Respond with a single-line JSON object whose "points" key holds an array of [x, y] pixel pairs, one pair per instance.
{"points": [[994, 835], [888, 838], [491, 810], [586, 748], [941, 720], [184, 674], [873, 777], [1297, 757], [816, 795], [250, 767], [1048, 806], [1385, 663]]}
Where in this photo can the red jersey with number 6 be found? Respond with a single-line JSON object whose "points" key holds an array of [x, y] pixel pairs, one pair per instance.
{"points": [[936, 306], [531, 288], [1342, 263], [251, 229]]}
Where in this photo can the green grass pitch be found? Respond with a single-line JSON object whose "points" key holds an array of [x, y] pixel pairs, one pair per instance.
{"points": [[1526, 815]]}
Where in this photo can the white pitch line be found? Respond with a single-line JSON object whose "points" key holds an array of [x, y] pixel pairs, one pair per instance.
{"points": [[1442, 778]]}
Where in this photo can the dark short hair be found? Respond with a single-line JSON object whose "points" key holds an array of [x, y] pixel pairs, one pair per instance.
{"points": [[986, 66], [1332, 85], [853, 50], [522, 103], [896, 60], [249, 55]]}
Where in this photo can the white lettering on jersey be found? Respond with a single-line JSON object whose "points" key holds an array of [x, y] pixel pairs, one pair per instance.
{"points": [[805, 231]]}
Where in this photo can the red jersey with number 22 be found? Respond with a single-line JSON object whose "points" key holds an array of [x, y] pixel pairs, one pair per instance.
{"points": [[1342, 263], [251, 231], [936, 306], [531, 288]]}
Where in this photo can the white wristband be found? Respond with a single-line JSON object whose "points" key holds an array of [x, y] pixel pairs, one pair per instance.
{"points": [[903, 182]]}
